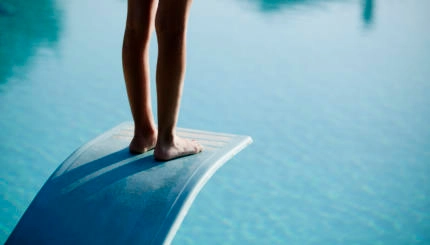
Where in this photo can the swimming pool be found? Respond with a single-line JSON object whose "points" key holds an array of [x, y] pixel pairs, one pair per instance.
{"points": [[334, 94]]}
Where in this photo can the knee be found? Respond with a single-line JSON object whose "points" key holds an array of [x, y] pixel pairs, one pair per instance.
{"points": [[137, 31], [138, 24], [169, 28]]}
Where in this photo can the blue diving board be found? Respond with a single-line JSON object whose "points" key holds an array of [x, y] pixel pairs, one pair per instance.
{"points": [[102, 194]]}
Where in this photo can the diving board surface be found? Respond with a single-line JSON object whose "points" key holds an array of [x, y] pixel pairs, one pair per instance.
{"points": [[102, 194]]}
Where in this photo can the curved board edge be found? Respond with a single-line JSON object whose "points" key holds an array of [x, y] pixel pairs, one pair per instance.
{"points": [[184, 201]]}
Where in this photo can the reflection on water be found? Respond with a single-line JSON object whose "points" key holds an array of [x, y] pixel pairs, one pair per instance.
{"points": [[367, 12], [271, 6], [6, 9], [26, 26]]}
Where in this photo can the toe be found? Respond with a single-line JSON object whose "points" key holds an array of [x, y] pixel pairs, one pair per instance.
{"points": [[198, 148]]}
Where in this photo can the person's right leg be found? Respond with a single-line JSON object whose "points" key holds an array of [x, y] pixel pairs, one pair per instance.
{"points": [[170, 25], [140, 21]]}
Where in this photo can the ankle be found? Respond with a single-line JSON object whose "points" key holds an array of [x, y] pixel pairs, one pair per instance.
{"points": [[166, 137], [145, 132]]}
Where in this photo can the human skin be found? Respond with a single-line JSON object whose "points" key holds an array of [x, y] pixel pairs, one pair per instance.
{"points": [[170, 20]]}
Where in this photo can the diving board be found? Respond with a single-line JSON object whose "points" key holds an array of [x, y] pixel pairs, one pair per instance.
{"points": [[102, 194]]}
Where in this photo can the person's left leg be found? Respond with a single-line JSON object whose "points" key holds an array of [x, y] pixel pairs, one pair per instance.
{"points": [[171, 27]]}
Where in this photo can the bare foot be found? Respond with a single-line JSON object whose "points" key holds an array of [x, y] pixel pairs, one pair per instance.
{"points": [[178, 147], [142, 144]]}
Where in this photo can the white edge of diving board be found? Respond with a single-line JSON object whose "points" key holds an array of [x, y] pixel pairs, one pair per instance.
{"points": [[244, 141]]}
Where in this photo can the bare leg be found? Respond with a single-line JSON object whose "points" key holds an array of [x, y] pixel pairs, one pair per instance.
{"points": [[140, 20], [171, 26]]}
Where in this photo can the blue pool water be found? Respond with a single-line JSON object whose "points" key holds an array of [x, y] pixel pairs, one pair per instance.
{"points": [[334, 93]]}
